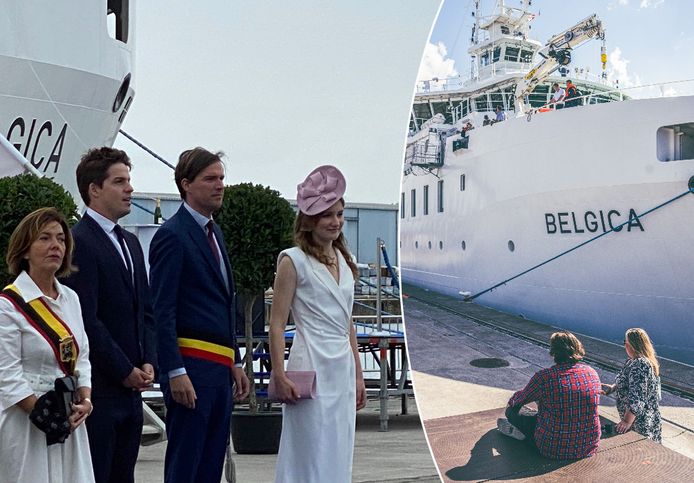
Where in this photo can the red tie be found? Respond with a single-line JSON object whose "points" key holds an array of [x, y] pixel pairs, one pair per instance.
{"points": [[210, 240]]}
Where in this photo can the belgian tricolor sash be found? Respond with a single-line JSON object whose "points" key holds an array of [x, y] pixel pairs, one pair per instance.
{"points": [[49, 325], [213, 349]]}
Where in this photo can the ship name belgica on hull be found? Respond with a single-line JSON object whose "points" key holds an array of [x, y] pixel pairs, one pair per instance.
{"points": [[34, 140], [592, 238], [565, 222]]}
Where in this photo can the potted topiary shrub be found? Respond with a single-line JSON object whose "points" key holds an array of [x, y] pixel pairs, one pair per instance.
{"points": [[20, 196], [257, 226]]}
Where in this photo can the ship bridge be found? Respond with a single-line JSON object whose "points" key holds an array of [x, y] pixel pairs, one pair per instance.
{"points": [[502, 58]]}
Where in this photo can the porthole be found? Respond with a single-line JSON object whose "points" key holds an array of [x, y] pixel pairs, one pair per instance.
{"points": [[440, 245], [462, 245], [122, 92], [416, 244], [511, 246], [429, 244]]}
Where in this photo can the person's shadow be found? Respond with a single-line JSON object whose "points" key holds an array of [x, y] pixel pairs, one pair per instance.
{"points": [[495, 456]]}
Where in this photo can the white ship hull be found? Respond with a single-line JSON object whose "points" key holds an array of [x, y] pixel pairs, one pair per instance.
{"points": [[548, 185], [62, 72]]}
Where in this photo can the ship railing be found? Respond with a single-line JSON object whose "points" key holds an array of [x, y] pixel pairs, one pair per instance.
{"points": [[502, 68], [424, 153], [662, 89], [454, 83], [497, 69], [469, 105], [656, 90]]}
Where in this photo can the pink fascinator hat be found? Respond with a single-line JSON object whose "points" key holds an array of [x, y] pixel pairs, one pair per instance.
{"points": [[320, 190]]}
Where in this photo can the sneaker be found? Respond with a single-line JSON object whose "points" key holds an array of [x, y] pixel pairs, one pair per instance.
{"points": [[508, 429]]}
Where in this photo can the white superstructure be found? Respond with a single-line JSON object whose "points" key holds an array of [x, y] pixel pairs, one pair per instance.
{"points": [[65, 80], [482, 210]]}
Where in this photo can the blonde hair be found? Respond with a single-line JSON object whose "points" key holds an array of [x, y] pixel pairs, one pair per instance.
{"points": [[641, 346], [303, 237], [26, 234]]}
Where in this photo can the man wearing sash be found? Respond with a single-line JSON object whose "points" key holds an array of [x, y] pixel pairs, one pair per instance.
{"points": [[112, 285], [193, 293]]}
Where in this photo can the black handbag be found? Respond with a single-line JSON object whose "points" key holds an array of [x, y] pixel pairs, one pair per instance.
{"points": [[52, 410]]}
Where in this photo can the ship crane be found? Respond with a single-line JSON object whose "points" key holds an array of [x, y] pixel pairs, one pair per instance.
{"points": [[556, 53]]}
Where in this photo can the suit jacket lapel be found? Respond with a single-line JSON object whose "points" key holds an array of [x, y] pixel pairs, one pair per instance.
{"points": [[335, 289], [225, 256], [197, 234], [110, 250]]}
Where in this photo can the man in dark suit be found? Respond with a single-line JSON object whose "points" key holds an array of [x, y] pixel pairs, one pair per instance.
{"points": [[111, 282], [193, 293]]}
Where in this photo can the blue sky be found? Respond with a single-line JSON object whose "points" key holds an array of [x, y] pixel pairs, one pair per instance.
{"points": [[648, 41]]}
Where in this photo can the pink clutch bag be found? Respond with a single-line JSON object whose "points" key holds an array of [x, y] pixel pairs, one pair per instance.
{"points": [[305, 382]]}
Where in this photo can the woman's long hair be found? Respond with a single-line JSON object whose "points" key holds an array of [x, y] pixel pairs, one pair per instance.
{"points": [[642, 347], [303, 237]]}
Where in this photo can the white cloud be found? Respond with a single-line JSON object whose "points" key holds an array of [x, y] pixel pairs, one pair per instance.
{"points": [[643, 4], [617, 3], [618, 70], [651, 3], [435, 63]]}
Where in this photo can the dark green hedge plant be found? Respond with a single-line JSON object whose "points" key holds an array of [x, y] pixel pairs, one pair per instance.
{"points": [[257, 225], [19, 196]]}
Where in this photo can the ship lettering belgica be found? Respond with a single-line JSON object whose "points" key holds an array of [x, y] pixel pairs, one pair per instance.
{"points": [[66, 83], [593, 234]]}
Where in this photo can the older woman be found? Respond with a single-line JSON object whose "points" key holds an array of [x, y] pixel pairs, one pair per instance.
{"points": [[42, 339], [315, 280], [567, 425], [637, 387]]}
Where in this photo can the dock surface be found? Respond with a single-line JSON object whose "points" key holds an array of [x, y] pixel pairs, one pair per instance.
{"points": [[398, 455], [444, 335]]}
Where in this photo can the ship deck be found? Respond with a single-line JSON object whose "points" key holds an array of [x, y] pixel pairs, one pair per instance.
{"points": [[459, 402]]}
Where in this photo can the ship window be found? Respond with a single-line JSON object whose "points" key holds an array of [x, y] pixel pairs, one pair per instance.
{"points": [[505, 30], [497, 99], [511, 54], [429, 244], [425, 200], [462, 182], [496, 54], [440, 196], [440, 245], [416, 244], [526, 56], [462, 245], [413, 203], [675, 142], [484, 58], [481, 104], [118, 14], [402, 205], [511, 246]]}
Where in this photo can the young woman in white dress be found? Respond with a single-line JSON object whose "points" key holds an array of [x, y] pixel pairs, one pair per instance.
{"points": [[41, 247], [315, 282]]}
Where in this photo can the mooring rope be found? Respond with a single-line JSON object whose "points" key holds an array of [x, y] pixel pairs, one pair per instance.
{"points": [[146, 149], [616, 228]]}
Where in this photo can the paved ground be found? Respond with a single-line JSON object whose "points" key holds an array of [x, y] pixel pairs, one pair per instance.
{"points": [[398, 455], [441, 346]]}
